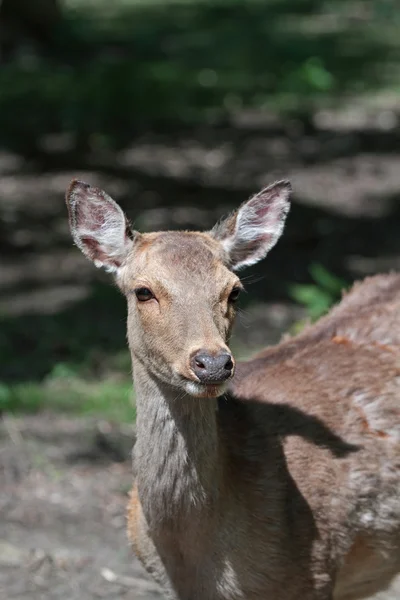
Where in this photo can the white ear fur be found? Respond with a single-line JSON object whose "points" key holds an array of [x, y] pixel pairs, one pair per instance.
{"points": [[248, 234], [98, 226]]}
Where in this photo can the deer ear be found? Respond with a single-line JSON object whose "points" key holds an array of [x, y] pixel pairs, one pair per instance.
{"points": [[98, 226], [250, 232]]}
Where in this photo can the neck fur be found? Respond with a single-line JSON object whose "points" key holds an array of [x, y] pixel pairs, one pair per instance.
{"points": [[176, 453]]}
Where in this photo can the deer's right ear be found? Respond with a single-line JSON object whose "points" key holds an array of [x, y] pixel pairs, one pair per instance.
{"points": [[98, 226]]}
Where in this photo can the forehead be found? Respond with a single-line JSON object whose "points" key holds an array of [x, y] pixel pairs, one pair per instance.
{"points": [[180, 254]]}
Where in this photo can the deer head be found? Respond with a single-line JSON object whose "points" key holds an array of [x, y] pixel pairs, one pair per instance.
{"points": [[181, 287]]}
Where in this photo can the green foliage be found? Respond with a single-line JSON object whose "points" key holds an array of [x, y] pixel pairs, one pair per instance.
{"points": [[127, 65], [68, 391], [320, 296], [75, 361]]}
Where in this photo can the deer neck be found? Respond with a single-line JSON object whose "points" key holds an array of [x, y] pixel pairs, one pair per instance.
{"points": [[176, 455]]}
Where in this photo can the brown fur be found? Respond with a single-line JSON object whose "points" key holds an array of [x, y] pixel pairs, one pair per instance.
{"points": [[288, 487], [134, 516], [314, 393], [351, 386]]}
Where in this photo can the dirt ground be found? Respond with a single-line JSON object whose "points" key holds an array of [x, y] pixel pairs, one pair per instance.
{"points": [[62, 507], [62, 512]]}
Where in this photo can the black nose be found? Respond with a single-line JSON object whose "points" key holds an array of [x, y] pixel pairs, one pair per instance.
{"points": [[212, 369]]}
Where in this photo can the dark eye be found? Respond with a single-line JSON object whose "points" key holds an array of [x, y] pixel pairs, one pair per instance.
{"points": [[143, 294], [234, 295]]}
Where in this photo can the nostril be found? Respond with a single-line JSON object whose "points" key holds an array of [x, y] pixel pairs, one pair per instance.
{"points": [[229, 364], [201, 364]]}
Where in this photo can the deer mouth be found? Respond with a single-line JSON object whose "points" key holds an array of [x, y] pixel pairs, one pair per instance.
{"points": [[205, 390]]}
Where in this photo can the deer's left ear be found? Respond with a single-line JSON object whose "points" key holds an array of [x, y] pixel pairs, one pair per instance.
{"points": [[98, 225], [250, 232]]}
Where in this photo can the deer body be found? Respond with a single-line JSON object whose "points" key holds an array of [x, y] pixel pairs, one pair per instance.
{"points": [[288, 485]]}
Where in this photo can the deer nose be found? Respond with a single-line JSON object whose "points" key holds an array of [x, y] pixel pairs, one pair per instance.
{"points": [[212, 369]]}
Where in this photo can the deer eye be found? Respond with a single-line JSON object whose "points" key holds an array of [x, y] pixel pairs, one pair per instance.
{"points": [[143, 294], [234, 295]]}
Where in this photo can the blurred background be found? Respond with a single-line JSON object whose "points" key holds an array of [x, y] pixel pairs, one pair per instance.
{"points": [[180, 109]]}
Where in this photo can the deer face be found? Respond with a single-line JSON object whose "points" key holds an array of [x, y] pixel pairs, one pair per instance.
{"points": [[181, 309], [180, 286]]}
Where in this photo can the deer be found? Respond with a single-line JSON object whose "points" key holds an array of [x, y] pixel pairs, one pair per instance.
{"points": [[276, 478]]}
